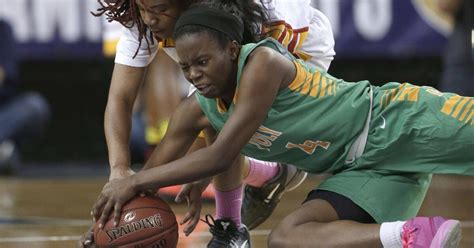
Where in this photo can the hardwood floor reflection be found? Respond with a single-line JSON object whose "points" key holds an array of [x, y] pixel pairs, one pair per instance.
{"points": [[54, 212]]}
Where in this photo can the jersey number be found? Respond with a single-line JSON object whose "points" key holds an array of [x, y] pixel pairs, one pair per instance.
{"points": [[309, 146]]}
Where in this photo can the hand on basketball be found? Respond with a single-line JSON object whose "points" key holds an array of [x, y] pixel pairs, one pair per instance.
{"points": [[192, 193], [112, 198], [87, 240]]}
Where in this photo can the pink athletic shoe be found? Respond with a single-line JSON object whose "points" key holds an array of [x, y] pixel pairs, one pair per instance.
{"points": [[432, 232]]}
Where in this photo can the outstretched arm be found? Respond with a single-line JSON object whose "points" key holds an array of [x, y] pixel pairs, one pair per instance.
{"points": [[265, 73], [126, 81]]}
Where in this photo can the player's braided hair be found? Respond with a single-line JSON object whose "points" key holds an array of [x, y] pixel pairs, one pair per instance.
{"points": [[126, 13], [253, 16]]}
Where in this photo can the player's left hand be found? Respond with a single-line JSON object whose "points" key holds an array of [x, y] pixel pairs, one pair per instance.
{"points": [[192, 193], [112, 198]]}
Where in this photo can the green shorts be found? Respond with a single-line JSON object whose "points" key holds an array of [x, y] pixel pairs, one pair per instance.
{"points": [[414, 132], [385, 196]]}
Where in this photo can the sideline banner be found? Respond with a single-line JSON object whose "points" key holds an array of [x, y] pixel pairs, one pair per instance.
{"points": [[65, 29], [381, 28], [54, 29]]}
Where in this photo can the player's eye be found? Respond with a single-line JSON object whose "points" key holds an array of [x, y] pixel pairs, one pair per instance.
{"points": [[158, 10]]}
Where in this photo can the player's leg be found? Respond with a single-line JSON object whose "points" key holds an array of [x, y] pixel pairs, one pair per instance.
{"points": [[328, 219], [266, 182], [226, 228], [228, 186]]}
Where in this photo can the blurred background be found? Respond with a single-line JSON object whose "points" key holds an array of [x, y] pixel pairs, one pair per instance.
{"points": [[60, 55]]}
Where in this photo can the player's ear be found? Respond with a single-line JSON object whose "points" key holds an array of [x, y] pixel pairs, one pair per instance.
{"points": [[234, 49]]}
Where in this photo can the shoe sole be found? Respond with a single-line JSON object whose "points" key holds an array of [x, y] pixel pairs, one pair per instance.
{"points": [[265, 215], [296, 181], [448, 235]]}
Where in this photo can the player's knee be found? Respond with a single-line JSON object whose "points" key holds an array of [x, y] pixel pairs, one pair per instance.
{"points": [[288, 233], [275, 239], [279, 237]]}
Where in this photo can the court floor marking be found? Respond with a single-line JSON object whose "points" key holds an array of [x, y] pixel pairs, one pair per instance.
{"points": [[38, 239], [37, 220], [264, 232], [74, 237]]}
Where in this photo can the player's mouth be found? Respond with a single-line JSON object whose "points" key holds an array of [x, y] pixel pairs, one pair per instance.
{"points": [[203, 88]]}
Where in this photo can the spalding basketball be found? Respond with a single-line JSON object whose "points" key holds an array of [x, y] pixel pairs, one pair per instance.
{"points": [[146, 222]]}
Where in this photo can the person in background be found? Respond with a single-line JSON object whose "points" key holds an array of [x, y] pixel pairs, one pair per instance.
{"points": [[458, 65], [22, 115]]}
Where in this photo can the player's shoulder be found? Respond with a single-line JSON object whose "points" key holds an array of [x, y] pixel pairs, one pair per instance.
{"points": [[262, 54]]}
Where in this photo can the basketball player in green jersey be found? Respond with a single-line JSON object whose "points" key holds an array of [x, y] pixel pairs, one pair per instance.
{"points": [[380, 143], [305, 31]]}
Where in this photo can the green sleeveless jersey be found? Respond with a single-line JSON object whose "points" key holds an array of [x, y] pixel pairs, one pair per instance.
{"points": [[311, 124]]}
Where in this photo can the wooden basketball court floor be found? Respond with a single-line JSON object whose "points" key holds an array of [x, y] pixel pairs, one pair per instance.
{"points": [[51, 209]]}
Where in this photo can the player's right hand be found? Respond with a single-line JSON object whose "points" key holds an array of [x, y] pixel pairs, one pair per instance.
{"points": [[114, 195], [87, 240], [120, 173]]}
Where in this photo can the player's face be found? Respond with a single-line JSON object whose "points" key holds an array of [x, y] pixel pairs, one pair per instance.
{"points": [[159, 15], [209, 67]]}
